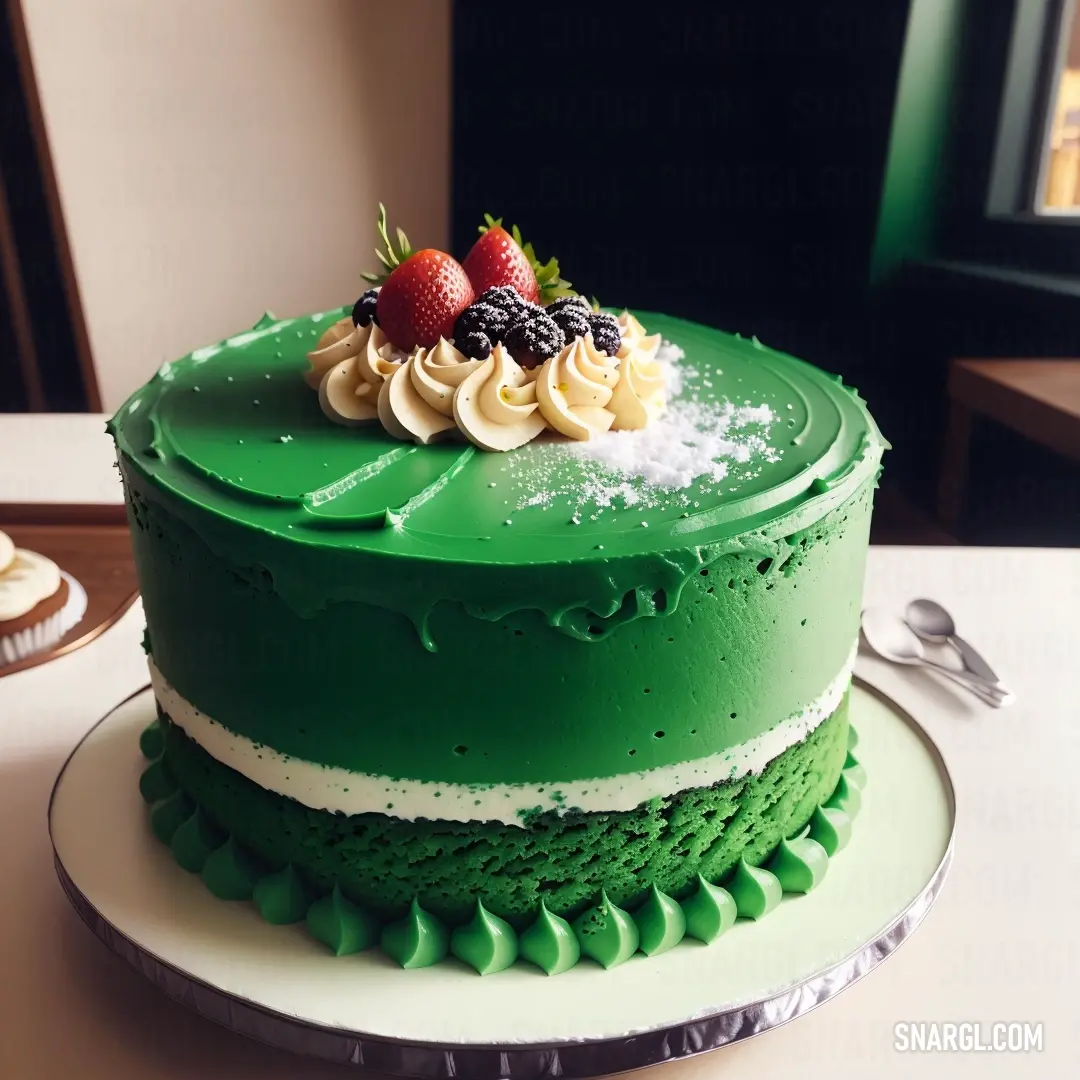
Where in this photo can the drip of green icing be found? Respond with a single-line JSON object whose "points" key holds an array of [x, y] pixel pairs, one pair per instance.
{"points": [[340, 925], [268, 318], [854, 771], [606, 933], [755, 891], [831, 828], [486, 942], [799, 865], [230, 871], [152, 740], [417, 940], [550, 943], [661, 923], [281, 897], [709, 911], [194, 840], [156, 782], [169, 814], [845, 796], [852, 737]]}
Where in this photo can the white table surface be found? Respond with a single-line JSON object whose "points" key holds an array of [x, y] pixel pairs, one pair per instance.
{"points": [[1002, 943], [57, 458]]}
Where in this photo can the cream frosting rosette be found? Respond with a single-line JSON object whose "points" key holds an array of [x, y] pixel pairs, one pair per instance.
{"points": [[635, 339], [580, 392], [496, 406], [338, 342], [417, 402], [639, 393], [574, 387], [349, 389], [25, 581]]}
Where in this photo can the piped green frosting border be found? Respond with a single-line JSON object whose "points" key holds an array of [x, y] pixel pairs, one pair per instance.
{"points": [[604, 932]]}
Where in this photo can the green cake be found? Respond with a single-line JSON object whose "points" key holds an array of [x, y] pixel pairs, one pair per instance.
{"points": [[575, 697]]}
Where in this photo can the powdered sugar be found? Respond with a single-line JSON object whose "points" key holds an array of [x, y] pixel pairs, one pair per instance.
{"points": [[690, 440], [695, 444]]}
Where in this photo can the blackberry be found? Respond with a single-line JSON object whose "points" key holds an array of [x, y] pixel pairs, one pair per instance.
{"points": [[504, 297], [573, 320], [476, 345], [565, 302], [364, 309], [532, 340], [482, 318], [605, 332]]}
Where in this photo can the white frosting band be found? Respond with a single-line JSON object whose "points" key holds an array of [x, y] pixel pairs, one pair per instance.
{"points": [[325, 787]]}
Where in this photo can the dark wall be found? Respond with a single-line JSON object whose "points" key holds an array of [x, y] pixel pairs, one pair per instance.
{"points": [[720, 161]]}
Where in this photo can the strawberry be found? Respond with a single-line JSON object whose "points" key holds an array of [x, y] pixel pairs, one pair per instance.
{"points": [[498, 259], [421, 299]]}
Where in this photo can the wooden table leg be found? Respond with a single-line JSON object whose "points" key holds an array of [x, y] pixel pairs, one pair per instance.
{"points": [[954, 467]]}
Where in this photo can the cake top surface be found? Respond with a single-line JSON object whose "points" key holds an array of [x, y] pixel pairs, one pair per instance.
{"points": [[750, 438]]}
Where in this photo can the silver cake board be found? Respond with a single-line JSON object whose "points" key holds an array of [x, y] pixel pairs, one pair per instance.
{"points": [[276, 984]]}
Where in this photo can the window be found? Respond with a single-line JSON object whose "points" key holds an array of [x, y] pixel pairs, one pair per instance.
{"points": [[1058, 183]]}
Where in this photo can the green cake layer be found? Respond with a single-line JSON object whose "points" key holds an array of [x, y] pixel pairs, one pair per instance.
{"points": [[384, 862]]}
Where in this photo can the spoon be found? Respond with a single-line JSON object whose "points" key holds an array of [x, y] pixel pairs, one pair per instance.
{"points": [[934, 624], [889, 636]]}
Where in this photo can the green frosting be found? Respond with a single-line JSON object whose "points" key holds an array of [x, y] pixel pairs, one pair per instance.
{"points": [[846, 796], [550, 943], [231, 871], [799, 865], [152, 741], [831, 828], [486, 943], [168, 815], [281, 897], [854, 772], [564, 859], [709, 911], [660, 922], [156, 782], [340, 925], [310, 537], [755, 890], [606, 933], [194, 840], [852, 738], [417, 940]]}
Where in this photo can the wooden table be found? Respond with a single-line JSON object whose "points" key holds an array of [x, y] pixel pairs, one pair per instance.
{"points": [[1039, 399]]}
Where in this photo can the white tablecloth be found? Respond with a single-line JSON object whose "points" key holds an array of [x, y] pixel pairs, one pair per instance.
{"points": [[58, 458], [1002, 943]]}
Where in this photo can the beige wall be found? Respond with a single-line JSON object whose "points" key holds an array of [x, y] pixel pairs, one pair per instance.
{"points": [[218, 158]]}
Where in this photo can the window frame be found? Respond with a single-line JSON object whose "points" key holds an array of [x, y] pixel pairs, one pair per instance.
{"points": [[1006, 77]]}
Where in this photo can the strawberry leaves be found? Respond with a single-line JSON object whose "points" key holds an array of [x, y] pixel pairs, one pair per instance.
{"points": [[388, 256]]}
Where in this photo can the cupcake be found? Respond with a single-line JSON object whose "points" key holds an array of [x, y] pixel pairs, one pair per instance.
{"points": [[39, 603]]}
